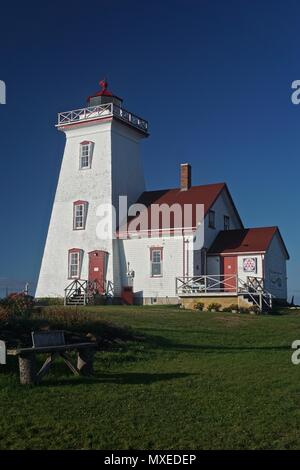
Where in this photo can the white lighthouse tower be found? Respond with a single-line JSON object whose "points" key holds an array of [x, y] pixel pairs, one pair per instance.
{"points": [[101, 162]]}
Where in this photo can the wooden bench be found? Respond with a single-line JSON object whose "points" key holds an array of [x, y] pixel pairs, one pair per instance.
{"points": [[53, 344]]}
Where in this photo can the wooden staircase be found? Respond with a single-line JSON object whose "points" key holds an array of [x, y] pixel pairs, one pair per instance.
{"points": [[76, 299], [83, 292], [76, 293]]}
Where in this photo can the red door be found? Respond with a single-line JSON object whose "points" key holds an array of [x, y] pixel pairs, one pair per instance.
{"points": [[230, 271], [97, 270]]}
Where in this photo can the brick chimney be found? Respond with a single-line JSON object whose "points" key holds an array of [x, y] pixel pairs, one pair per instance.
{"points": [[185, 176]]}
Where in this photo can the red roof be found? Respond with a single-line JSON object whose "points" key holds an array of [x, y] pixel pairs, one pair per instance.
{"points": [[249, 240], [206, 194], [103, 92]]}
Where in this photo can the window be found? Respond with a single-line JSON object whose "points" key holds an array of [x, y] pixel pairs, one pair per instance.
{"points": [[226, 222], [85, 158], [79, 215], [211, 219], [75, 257], [156, 261]]}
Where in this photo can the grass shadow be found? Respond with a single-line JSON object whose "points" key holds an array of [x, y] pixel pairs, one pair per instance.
{"points": [[168, 345], [128, 378]]}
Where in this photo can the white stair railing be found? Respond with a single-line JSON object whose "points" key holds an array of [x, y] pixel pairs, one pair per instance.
{"points": [[81, 292]]}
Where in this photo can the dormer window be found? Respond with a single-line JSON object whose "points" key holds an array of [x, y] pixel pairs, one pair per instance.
{"points": [[212, 219], [85, 155], [226, 222], [79, 214]]}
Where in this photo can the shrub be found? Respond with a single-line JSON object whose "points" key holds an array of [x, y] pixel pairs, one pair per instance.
{"points": [[214, 306], [19, 305], [99, 299], [199, 306], [244, 310], [48, 301], [254, 309], [233, 308], [4, 315]]}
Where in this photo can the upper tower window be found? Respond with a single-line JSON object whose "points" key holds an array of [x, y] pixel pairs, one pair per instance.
{"points": [[85, 155], [79, 215]]}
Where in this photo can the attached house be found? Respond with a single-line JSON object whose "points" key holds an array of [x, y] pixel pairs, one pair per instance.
{"points": [[172, 246]]}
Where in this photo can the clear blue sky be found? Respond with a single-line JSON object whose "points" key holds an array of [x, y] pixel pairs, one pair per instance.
{"points": [[212, 77]]}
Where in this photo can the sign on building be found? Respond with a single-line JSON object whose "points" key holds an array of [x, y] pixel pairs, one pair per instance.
{"points": [[250, 265]]}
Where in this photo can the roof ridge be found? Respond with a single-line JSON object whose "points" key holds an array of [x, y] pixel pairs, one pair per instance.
{"points": [[251, 228], [179, 189]]}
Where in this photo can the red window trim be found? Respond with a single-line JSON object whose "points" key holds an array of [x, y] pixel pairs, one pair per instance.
{"points": [[152, 249], [86, 142], [79, 203], [80, 252], [156, 248]]}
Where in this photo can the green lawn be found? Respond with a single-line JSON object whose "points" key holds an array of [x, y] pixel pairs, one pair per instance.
{"points": [[196, 381]]}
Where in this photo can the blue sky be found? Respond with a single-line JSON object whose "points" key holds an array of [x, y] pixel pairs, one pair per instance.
{"points": [[212, 77]]}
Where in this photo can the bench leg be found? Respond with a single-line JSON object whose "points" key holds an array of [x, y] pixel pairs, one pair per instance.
{"points": [[46, 366], [85, 360], [68, 361], [27, 368]]}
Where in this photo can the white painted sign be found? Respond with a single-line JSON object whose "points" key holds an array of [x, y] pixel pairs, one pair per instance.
{"points": [[2, 352], [2, 92]]}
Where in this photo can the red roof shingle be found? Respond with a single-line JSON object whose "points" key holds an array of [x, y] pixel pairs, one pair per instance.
{"points": [[205, 194], [250, 240]]}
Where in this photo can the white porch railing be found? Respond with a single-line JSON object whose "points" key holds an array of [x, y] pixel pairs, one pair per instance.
{"points": [[102, 111], [206, 284], [224, 284]]}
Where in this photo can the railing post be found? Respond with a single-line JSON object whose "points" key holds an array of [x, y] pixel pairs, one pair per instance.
{"points": [[260, 302]]}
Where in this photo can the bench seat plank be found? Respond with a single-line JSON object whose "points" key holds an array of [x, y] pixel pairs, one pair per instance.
{"points": [[45, 349]]}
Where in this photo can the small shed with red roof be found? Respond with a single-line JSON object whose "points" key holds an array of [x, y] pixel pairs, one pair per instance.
{"points": [[251, 253]]}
